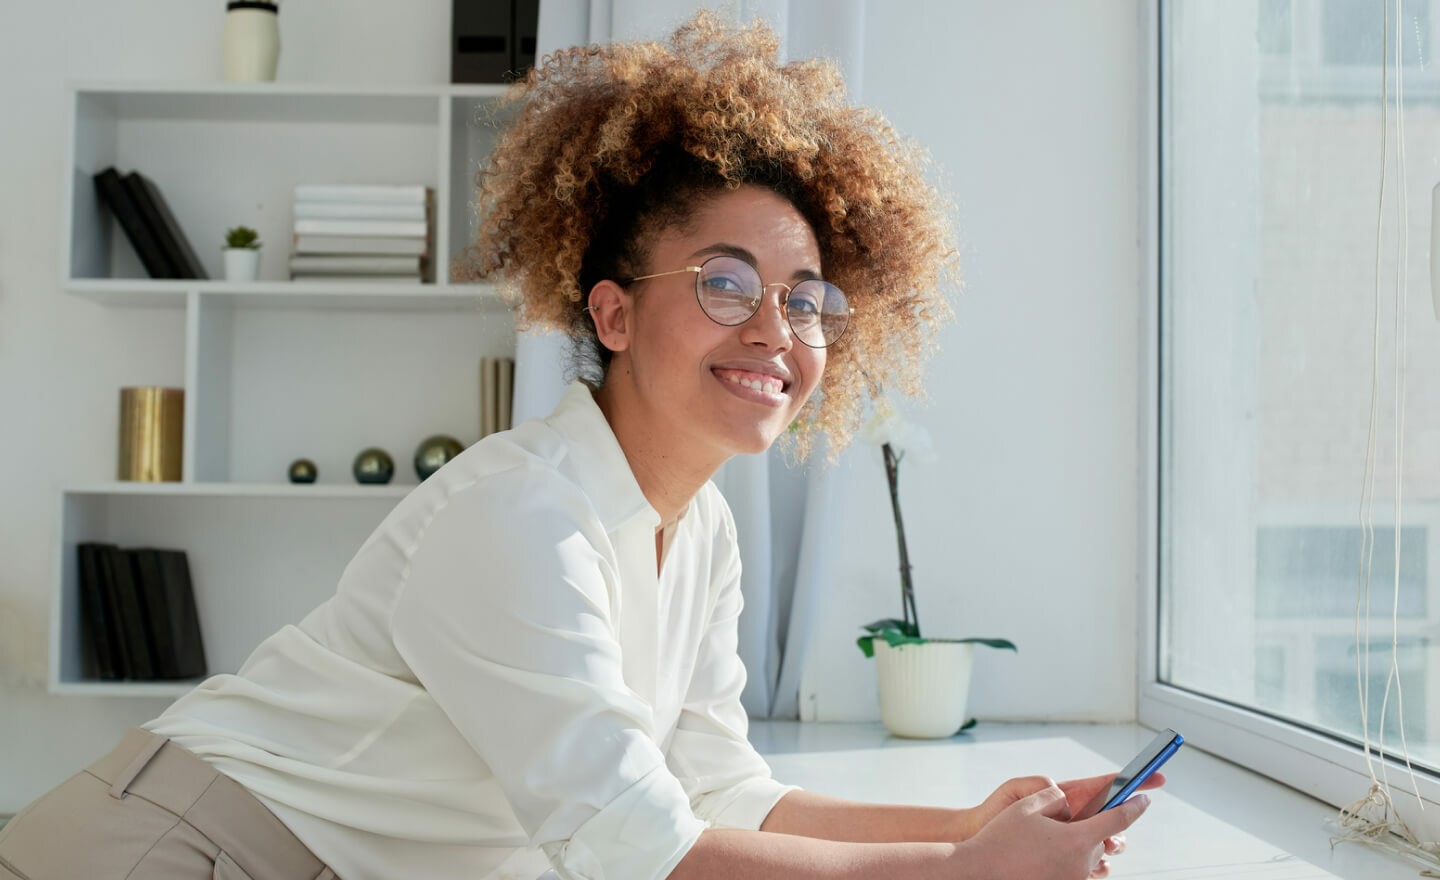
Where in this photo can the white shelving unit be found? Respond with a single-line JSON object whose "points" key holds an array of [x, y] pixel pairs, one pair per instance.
{"points": [[274, 370]]}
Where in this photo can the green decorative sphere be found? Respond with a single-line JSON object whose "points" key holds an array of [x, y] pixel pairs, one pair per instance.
{"points": [[303, 470], [433, 452], [373, 466]]}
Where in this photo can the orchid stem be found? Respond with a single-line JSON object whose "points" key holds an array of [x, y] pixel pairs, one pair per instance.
{"points": [[907, 587]]}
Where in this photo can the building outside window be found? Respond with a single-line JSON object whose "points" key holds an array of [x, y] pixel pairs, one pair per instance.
{"points": [[1269, 163]]}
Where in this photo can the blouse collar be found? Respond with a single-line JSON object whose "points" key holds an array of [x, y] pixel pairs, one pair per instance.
{"points": [[601, 468]]}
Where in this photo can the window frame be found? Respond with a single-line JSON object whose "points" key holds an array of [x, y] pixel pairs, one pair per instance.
{"points": [[1317, 764]]}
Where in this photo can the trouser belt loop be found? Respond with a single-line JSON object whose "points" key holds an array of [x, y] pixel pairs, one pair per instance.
{"points": [[122, 782], [327, 874]]}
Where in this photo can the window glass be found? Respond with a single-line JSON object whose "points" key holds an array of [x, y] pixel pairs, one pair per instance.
{"points": [[1271, 163]]}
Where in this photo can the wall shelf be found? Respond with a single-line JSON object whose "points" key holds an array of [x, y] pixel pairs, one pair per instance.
{"points": [[394, 490], [275, 369], [167, 690], [290, 294]]}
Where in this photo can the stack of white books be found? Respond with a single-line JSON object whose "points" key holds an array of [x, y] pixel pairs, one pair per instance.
{"points": [[362, 233]]}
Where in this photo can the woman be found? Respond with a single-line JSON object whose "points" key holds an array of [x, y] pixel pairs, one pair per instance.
{"points": [[531, 664]]}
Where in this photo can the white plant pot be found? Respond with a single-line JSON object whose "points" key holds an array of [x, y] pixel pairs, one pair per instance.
{"points": [[242, 264], [923, 687], [251, 47]]}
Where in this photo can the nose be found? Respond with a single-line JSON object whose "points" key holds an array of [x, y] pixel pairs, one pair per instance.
{"points": [[768, 327]]}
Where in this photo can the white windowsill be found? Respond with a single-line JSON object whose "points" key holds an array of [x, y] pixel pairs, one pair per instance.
{"points": [[1281, 817]]}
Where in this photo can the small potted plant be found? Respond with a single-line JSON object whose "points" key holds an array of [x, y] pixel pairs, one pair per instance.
{"points": [[924, 683], [242, 254]]}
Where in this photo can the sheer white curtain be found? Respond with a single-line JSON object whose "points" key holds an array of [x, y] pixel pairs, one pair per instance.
{"points": [[782, 513]]}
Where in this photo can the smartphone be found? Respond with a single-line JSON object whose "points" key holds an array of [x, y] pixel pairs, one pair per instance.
{"points": [[1135, 773]]}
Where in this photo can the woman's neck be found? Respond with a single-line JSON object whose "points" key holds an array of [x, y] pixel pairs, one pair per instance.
{"points": [[667, 469]]}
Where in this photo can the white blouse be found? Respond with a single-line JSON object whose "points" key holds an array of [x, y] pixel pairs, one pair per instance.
{"points": [[501, 683]]}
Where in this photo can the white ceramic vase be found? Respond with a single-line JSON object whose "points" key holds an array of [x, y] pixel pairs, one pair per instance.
{"points": [[251, 47], [242, 264], [923, 687]]}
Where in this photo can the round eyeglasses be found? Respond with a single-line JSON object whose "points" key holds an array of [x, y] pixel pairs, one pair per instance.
{"points": [[729, 291]]}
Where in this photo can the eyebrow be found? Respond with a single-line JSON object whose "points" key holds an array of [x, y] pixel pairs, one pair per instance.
{"points": [[740, 253]]}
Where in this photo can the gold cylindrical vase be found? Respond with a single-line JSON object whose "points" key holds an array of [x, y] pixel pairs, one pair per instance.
{"points": [[152, 434]]}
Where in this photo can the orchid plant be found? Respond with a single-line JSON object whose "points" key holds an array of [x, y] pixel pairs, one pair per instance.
{"points": [[900, 439]]}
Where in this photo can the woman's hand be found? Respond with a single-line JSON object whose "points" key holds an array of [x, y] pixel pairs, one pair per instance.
{"points": [[1033, 838], [971, 821], [1078, 793]]}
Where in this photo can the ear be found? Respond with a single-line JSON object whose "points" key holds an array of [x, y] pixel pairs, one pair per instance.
{"points": [[610, 307]]}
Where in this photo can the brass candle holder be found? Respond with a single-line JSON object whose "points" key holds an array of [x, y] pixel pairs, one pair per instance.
{"points": [[152, 434]]}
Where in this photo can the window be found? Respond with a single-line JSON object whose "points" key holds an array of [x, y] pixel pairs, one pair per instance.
{"points": [[1331, 49], [1267, 170], [1305, 603]]}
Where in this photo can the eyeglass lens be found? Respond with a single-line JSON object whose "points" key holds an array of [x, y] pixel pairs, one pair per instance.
{"points": [[730, 291]]}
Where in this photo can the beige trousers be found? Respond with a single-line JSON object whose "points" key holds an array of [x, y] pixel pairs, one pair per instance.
{"points": [[150, 810]]}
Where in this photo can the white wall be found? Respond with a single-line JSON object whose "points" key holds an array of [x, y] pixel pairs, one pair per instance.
{"points": [[1029, 108], [1027, 525]]}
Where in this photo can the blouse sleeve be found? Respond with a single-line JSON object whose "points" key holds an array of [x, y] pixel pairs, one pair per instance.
{"points": [[728, 783], [507, 618]]}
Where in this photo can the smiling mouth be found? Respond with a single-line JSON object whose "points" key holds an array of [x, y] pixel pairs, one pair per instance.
{"points": [[753, 381]]}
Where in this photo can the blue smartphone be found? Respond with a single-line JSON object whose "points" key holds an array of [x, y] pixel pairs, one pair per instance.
{"points": [[1135, 773]]}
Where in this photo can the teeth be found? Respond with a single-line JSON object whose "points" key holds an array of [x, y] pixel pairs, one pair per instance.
{"points": [[769, 385]]}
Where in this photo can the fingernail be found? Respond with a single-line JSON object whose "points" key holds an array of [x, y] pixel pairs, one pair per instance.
{"points": [[1144, 800]]}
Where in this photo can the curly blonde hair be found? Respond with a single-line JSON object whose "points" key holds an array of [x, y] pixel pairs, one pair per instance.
{"points": [[613, 144]]}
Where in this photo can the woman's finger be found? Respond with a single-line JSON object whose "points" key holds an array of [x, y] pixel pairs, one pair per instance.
{"points": [[1080, 791]]}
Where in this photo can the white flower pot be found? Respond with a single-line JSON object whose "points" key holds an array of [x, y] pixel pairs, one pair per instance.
{"points": [[242, 264], [923, 687], [251, 47]]}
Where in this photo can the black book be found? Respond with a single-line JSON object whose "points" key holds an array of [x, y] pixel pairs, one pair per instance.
{"points": [[163, 227], [130, 613], [116, 196], [164, 577], [100, 627], [110, 598]]}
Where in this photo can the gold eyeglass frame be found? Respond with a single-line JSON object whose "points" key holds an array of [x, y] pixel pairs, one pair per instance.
{"points": [[849, 312]]}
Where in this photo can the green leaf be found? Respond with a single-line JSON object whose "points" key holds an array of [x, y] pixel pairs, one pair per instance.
{"points": [[890, 624], [895, 638], [891, 637], [989, 643], [967, 725], [892, 632], [242, 237]]}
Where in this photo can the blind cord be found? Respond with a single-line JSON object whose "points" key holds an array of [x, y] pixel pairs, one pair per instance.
{"points": [[1373, 819]]}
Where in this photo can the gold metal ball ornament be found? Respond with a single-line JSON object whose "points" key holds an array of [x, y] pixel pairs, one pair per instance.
{"points": [[303, 470], [433, 452], [373, 466]]}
